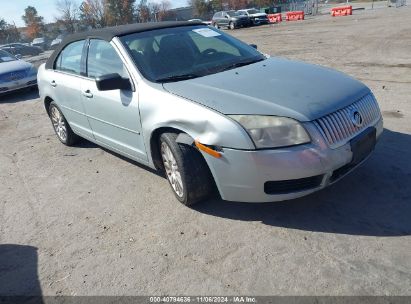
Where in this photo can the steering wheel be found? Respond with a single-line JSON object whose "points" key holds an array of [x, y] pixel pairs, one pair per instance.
{"points": [[204, 55], [209, 51]]}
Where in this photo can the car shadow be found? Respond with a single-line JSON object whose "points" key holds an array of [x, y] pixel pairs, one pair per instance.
{"points": [[374, 200], [18, 272], [20, 95], [84, 143]]}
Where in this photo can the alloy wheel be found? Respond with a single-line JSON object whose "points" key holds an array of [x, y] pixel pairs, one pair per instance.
{"points": [[172, 169], [59, 124]]}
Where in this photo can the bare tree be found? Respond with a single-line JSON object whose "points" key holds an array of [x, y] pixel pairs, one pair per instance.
{"points": [[154, 9], [68, 10], [203, 8], [120, 11], [143, 11], [165, 6], [8, 32], [93, 14]]}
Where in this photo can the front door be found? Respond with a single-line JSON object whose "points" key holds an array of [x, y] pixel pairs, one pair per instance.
{"points": [[113, 115]]}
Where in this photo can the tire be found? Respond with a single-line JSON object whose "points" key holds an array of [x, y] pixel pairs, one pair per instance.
{"points": [[231, 26], [60, 125], [196, 180], [216, 25]]}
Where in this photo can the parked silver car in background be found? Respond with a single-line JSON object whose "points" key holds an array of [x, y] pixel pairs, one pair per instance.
{"points": [[256, 17], [15, 73], [55, 42], [209, 110]]}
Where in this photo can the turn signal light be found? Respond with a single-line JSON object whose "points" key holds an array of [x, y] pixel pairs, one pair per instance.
{"points": [[207, 150]]}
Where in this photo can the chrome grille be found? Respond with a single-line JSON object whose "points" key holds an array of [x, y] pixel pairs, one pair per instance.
{"points": [[338, 127]]}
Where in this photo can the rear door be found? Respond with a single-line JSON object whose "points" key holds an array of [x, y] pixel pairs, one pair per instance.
{"points": [[226, 19], [65, 82], [113, 115]]}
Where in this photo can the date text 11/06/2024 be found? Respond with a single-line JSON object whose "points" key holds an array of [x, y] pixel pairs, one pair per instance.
{"points": [[202, 299]]}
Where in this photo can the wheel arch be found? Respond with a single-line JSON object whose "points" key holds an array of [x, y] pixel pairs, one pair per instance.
{"points": [[154, 147], [47, 102]]}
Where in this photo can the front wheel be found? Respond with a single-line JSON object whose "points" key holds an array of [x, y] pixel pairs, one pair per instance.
{"points": [[186, 170], [231, 26]]}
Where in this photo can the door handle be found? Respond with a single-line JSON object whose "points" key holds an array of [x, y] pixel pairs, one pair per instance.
{"points": [[53, 83], [88, 94]]}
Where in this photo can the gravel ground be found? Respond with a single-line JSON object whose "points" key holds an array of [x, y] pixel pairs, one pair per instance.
{"points": [[84, 221]]}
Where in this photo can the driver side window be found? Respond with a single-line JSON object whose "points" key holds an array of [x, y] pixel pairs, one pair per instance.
{"points": [[103, 59]]}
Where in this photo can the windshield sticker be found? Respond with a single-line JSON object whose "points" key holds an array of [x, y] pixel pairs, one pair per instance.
{"points": [[206, 32], [5, 59]]}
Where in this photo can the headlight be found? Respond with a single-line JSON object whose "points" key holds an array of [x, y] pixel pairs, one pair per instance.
{"points": [[273, 131]]}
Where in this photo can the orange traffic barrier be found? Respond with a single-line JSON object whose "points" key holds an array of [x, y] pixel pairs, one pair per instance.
{"points": [[293, 16], [341, 11], [275, 18]]}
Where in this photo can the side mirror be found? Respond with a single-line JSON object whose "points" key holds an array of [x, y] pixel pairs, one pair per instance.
{"points": [[18, 56], [112, 82], [226, 16], [254, 46]]}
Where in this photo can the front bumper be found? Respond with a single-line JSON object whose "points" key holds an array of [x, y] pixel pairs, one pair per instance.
{"points": [[259, 20], [10, 86], [243, 176]]}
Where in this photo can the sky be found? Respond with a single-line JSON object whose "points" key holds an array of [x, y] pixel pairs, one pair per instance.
{"points": [[12, 10]]}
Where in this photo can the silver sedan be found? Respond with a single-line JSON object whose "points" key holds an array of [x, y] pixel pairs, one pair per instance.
{"points": [[15, 73], [211, 112]]}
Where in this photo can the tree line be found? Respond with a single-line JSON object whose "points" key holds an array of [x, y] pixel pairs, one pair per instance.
{"points": [[78, 16]]}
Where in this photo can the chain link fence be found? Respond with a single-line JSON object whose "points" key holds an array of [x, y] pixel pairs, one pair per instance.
{"points": [[309, 7]]}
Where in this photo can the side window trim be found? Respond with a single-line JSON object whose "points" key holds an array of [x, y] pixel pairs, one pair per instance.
{"points": [[83, 61]]}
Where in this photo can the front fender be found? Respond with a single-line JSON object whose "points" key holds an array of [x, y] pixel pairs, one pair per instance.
{"points": [[161, 109]]}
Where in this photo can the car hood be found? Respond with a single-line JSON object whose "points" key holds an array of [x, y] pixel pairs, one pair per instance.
{"points": [[274, 86], [16, 65]]}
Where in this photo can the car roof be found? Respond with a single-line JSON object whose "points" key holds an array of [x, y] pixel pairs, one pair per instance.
{"points": [[108, 33]]}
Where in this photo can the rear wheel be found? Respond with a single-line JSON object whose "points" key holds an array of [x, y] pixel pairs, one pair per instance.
{"points": [[186, 170], [60, 125], [216, 25]]}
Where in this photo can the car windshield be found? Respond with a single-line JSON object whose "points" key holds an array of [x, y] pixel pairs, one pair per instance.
{"points": [[180, 53], [253, 11], [5, 57]]}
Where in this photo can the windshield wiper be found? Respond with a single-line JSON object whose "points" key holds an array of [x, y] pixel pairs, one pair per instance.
{"points": [[177, 77], [240, 64]]}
